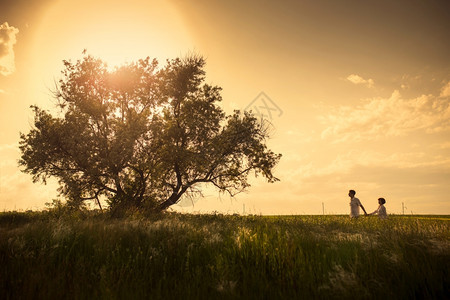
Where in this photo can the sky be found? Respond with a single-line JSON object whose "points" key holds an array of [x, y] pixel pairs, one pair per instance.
{"points": [[358, 92]]}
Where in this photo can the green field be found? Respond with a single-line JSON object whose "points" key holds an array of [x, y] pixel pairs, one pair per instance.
{"points": [[92, 256]]}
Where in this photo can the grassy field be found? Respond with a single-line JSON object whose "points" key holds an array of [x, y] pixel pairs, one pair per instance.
{"points": [[79, 256]]}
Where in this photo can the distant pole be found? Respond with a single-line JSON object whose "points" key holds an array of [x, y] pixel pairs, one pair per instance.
{"points": [[323, 208], [243, 208]]}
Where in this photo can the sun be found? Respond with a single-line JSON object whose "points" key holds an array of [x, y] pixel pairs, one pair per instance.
{"points": [[115, 31]]}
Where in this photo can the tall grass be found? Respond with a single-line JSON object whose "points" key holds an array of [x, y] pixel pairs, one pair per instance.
{"points": [[201, 256]]}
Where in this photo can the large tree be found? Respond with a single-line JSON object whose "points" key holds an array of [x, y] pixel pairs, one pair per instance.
{"points": [[141, 135]]}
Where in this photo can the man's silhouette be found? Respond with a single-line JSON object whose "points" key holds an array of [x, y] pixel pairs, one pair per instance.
{"points": [[354, 205]]}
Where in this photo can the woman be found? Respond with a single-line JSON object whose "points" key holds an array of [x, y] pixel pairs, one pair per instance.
{"points": [[381, 210]]}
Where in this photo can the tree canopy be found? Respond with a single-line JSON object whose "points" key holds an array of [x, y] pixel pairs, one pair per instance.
{"points": [[143, 135]]}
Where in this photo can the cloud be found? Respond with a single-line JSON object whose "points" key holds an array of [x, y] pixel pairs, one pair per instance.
{"points": [[344, 163], [356, 79], [7, 41], [445, 91], [401, 176], [394, 116], [17, 190]]}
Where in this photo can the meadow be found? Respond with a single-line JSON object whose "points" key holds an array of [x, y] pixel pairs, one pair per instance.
{"points": [[88, 255]]}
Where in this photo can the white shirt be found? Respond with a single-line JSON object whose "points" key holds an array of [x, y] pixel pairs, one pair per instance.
{"points": [[354, 207], [381, 211]]}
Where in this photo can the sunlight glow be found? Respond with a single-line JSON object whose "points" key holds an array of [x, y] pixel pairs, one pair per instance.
{"points": [[111, 31]]}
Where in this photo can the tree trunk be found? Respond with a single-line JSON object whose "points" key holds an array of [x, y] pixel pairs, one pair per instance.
{"points": [[172, 199], [98, 202]]}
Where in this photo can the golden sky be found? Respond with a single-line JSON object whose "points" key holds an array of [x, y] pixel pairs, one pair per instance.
{"points": [[359, 90]]}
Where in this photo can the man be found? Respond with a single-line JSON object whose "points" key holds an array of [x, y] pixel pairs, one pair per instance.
{"points": [[354, 205]]}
